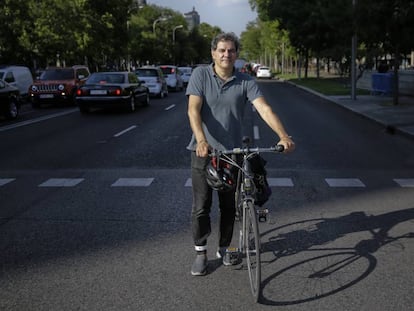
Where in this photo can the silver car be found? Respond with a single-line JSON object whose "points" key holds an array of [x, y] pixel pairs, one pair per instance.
{"points": [[154, 80], [263, 72], [185, 74], [173, 76]]}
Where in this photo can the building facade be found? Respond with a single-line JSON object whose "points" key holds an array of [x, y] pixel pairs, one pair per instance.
{"points": [[192, 18]]}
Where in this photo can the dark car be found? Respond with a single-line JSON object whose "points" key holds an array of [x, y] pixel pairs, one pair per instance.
{"points": [[112, 90], [9, 100], [57, 85]]}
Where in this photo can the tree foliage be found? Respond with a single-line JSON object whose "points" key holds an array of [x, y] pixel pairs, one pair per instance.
{"points": [[100, 33], [324, 27]]}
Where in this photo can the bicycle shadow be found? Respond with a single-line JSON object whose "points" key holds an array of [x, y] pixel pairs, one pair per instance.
{"points": [[311, 235]]}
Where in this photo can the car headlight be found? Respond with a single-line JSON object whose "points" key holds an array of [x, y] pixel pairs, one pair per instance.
{"points": [[34, 88], [61, 87]]}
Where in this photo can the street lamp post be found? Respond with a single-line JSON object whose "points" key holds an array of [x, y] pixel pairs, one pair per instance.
{"points": [[135, 7], [174, 29], [173, 38], [161, 19], [353, 55]]}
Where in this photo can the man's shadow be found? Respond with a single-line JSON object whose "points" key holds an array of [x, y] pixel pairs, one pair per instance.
{"points": [[313, 234]]}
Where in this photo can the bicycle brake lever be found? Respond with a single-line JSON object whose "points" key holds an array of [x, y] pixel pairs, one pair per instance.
{"points": [[279, 148]]}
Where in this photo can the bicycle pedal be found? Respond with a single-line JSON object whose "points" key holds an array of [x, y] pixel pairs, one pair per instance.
{"points": [[262, 214], [232, 256]]}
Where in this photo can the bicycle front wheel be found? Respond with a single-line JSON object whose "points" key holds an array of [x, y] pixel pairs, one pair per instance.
{"points": [[252, 249]]}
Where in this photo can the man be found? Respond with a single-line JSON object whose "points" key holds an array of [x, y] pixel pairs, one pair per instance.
{"points": [[217, 96]]}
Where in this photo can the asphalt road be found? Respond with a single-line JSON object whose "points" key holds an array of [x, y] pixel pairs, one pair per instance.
{"points": [[95, 212]]}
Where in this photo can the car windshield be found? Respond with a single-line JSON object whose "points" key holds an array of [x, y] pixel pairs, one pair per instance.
{"points": [[146, 73], [58, 74], [168, 70], [185, 70], [101, 78]]}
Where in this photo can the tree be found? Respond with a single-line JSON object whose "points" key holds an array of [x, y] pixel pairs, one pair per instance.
{"points": [[387, 25]]}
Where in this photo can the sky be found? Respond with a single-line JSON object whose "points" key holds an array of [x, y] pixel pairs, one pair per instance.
{"points": [[229, 15]]}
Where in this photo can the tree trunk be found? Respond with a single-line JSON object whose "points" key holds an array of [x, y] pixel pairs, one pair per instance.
{"points": [[396, 78]]}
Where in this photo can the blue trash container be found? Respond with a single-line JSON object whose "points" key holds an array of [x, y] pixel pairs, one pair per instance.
{"points": [[382, 83]]}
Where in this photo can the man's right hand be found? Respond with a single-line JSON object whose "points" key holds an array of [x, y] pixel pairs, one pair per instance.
{"points": [[202, 149]]}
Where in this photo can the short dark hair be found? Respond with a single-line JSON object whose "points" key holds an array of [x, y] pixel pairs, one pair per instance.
{"points": [[225, 36]]}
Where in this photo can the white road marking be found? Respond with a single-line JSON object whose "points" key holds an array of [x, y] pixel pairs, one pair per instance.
{"points": [[273, 182], [61, 182], [4, 181], [170, 107], [405, 182], [344, 182], [188, 183], [133, 182], [124, 131], [50, 116], [256, 134]]}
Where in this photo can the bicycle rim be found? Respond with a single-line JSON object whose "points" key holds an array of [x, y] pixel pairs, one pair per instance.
{"points": [[252, 249]]}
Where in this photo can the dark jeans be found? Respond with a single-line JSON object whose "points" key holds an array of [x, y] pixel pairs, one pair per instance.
{"points": [[202, 201]]}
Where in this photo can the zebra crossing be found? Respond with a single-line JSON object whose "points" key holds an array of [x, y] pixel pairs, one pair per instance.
{"points": [[146, 182]]}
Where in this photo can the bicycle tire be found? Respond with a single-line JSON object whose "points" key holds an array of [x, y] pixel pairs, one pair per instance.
{"points": [[252, 249]]}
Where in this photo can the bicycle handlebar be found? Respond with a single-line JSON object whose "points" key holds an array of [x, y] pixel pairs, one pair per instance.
{"points": [[247, 150]]}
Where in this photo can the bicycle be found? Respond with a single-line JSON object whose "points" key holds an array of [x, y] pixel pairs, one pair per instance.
{"points": [[246, 213]]}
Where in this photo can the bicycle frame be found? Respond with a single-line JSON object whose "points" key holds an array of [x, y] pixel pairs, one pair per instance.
{"points": [[249, 239]]}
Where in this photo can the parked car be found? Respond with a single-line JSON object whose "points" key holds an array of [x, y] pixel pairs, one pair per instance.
{"points": [[185, 74], [58, 85], [9, 100], [173, 77], [17, 76], [263, 72], [154, 80], [112, 90]]}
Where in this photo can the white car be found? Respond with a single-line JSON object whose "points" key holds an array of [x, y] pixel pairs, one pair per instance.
{"points": [[185, 74], [173, 77], [263, 72], [154, 80]]}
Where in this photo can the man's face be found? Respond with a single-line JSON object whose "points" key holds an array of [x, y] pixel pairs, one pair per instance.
{"points": [[225, 55]]}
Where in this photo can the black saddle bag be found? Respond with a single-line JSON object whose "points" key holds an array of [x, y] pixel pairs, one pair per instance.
{"points": [[263, 190]]}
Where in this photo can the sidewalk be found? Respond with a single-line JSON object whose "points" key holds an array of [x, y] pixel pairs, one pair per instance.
{"points": [[396, 119]]}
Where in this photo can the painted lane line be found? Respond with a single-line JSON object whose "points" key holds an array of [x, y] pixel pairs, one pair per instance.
{"points": [[256, 134], [405, 182], [4, 181], [124, 131], [50, 116], [170, 107], [61, 182], [273, 182], [344, 182], [133, 182]]}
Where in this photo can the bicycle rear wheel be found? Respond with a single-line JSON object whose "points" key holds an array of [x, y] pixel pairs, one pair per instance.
{"points": [[252, 249]]}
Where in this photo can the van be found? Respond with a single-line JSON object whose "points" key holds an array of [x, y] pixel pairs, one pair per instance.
{"points": [[17, 76]]}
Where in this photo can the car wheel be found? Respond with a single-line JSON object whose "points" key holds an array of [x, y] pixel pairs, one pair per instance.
{"points": [[12, 109], [131, 107], [147, 100]]}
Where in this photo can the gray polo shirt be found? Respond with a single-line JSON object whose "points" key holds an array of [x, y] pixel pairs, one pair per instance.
{"points": [[223, 105]]}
